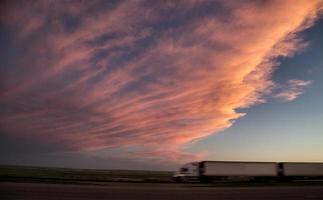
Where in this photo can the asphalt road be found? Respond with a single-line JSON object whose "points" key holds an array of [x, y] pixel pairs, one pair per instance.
{"points": [[117, 191]]}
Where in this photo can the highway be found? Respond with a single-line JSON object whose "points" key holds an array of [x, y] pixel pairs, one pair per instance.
{"points": [[138, 191]]}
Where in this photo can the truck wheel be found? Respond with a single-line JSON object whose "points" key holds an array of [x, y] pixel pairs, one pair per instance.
{"points": [[206, 180], [178, 179]]}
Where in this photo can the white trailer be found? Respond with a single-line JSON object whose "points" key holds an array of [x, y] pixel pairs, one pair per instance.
{"points": [[216, 168], [303, 169], [209, 170]]}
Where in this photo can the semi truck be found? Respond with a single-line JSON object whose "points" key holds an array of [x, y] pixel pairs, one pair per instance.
{"points": [[208, 171]]}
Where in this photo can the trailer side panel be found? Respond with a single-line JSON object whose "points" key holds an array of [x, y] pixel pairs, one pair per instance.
{"points": [[239, 169], [303, 169]]}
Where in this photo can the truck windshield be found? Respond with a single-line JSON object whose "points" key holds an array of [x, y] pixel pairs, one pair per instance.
{"points": [[184, 169]]}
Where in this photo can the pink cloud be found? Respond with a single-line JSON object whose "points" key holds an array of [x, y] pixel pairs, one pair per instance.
{"points": [[126, 76]]}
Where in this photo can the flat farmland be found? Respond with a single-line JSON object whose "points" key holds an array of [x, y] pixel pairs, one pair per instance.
{"points": [[34, 183], [61, 175]]}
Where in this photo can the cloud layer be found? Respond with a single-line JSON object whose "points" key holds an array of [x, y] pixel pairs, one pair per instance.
{"points": [[149, 76]]}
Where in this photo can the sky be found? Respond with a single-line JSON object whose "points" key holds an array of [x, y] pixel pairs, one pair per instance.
{"points": [[155, 84]]}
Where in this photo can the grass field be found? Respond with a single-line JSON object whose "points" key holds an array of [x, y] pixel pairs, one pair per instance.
{"points": [[17, 173]]}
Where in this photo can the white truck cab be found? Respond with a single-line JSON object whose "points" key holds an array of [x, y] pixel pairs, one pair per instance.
{"points": [[188, 172]]}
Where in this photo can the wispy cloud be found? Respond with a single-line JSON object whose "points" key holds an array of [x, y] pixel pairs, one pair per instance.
{"points": [[155, 75], [292, 90]]}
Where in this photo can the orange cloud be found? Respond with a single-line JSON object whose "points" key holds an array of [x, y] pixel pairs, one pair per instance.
{"points": [[145, 74]]}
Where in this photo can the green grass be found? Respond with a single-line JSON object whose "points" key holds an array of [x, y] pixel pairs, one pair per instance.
{"points": [[16, 173]]}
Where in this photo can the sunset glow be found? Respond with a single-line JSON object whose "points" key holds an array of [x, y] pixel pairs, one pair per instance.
{"points": [[141, 80]]}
